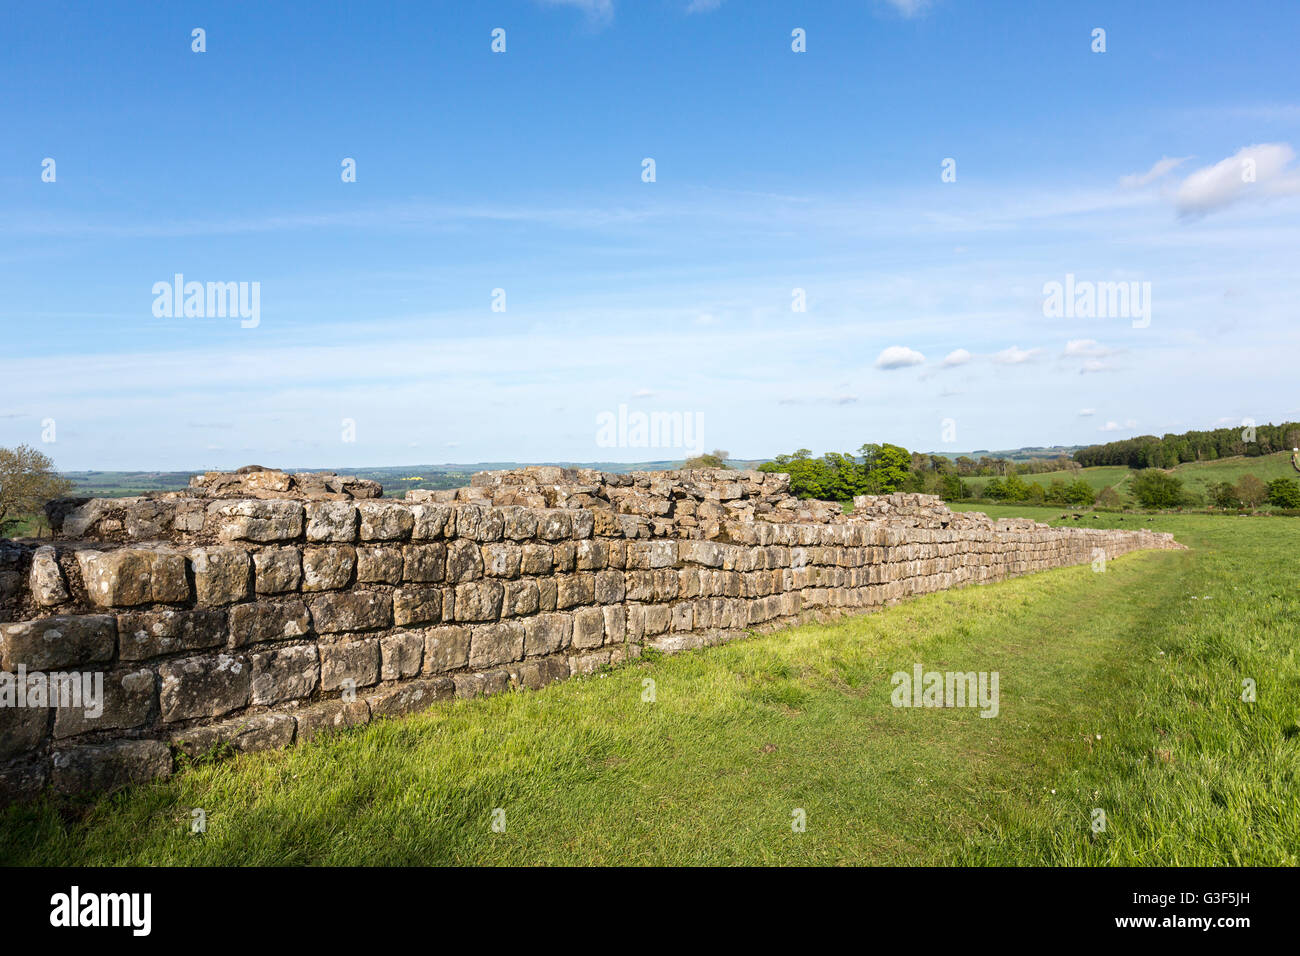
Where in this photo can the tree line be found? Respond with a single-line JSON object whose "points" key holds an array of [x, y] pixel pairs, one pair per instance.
{"points": [[1148, 451]]}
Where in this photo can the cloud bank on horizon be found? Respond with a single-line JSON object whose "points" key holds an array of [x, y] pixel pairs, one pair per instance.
{"points": [[503, 267]]}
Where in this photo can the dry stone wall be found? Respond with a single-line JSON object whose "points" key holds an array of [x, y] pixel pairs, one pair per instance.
{"points": [[260, 608]]}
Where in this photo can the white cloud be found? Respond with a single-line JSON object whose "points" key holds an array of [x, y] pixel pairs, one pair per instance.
{"points": [[1256, 172], [1087, 412], [1135, 180], [909, 8], [1117, 427], [1094, 365], [596, 10], [1015, 355], [899, 356], [1087, 348], [954, 358]]}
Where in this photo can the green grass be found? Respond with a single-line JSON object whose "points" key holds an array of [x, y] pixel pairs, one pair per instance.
{"points": [[1119, 691], [1197, 476], [1097, 478]]}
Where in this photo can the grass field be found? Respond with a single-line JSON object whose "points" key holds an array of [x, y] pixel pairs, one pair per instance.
{"points": [[1119, 691], [1097, 478], [1196, 475]]}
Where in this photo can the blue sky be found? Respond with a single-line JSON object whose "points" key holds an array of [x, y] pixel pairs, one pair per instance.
{"points": [[522, 171]]}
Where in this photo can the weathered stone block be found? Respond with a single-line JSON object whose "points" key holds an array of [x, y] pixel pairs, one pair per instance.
{"points": [[351, 611], [537, 558], [131, 576], [331, 716], [108, 766], [492, 644], [520, 523], [285, 673], [333, 521], [221, 575], [400, 655], [575, 589], [22, 728], [278, 570], [588, 628], [127, 702], [46, 578], [547, 633], [356, 661], [411, 696], [145, 634], [554, 525], [445, 649], [379, 564], [385, 521], [609, 588], [203, 686], [501, 559], [328, 568], [464, 561], [479, 600], [430, 522], [474, 685], [417, 605], [477, 523], [535, 675], [520, 598], [615, 623], [247, 734], [50, 643], [268, 621], [257, 520], [424, 562]]}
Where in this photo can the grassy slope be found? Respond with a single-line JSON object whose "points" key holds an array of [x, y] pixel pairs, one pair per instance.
{"points": [[741, 735], [1196, 475], [1098, 478]]}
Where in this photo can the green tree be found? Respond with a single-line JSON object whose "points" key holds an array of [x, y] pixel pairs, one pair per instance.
{"points": [[1284, 493], [1108, 497], [714, 459], [1251, 491], [27, 481], [1079, 493], [1154, 488], [1223, 494]]}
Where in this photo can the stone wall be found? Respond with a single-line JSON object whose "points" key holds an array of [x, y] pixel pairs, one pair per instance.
{"points": [[260, 608]]}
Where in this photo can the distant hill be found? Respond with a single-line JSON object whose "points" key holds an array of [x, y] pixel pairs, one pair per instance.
{"points": [[1029, 453], [396, 479]]}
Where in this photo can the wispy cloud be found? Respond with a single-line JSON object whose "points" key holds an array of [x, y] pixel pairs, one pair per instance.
{"points": [[1161, 167], [597, 11], [1253, 172], [1015, 355], [910, 8]]}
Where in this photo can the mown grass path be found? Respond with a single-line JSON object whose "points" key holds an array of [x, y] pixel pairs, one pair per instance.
{"points": [[1117, 691]]}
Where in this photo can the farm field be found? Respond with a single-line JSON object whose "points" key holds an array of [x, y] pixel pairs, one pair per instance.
{"points": [[1120, 691]]}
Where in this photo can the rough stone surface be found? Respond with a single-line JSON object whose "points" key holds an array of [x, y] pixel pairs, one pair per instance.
{"points": [[50, 643], [109, 766], [203, 686]]}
